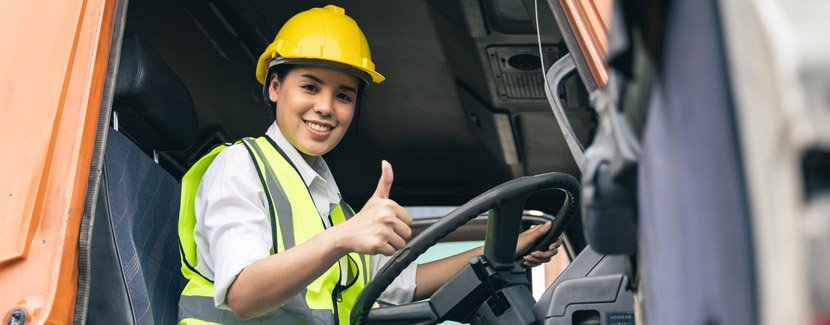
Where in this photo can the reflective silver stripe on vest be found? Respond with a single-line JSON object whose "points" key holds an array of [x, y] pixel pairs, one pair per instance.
{"points": [[366, 269], [285, 215], [283, 206], [202, 308], [347, 211], [351, 271]]}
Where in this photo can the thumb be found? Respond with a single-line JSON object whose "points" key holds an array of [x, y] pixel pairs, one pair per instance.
{"points": [[541, 230], [385, 182], [530, 236], [546, 227]]}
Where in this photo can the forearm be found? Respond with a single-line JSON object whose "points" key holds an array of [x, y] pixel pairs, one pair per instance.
{"points": [[270, 282], [431, 276]]}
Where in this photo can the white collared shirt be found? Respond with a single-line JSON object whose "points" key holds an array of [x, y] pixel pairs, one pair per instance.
{"points": [[232, 219]]}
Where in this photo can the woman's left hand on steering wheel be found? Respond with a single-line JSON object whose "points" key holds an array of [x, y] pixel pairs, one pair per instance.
{"points": [[530, 236]]}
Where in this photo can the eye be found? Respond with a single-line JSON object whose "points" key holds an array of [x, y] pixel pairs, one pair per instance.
{"points": [[344, 98], [310, 87]]}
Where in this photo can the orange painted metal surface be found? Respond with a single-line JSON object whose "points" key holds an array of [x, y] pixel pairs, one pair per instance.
{"points": [[53, 62], [589, 20]]}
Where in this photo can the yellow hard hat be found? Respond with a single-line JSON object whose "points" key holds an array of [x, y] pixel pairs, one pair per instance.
{"points": [[320, 35]]}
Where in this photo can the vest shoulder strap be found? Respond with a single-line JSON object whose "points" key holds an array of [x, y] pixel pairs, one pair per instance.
{"points": [[187, 213], [278, 204]]}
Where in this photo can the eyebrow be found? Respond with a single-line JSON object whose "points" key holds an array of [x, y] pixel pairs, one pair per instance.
{"points": [[315, 78]]}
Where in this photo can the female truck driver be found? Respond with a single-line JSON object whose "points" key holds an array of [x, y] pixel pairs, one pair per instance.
{"points": [[265, 235]]}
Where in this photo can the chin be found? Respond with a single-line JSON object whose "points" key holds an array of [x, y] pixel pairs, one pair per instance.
{"points": [[315, 152], [319, 149]]}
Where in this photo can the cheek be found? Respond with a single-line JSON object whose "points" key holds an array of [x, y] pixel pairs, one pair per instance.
{"points": [[283, 118], [345, 115], [290, 105]]}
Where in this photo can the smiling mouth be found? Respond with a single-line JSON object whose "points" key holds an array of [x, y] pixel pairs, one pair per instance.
{"points": [[318, 127]]}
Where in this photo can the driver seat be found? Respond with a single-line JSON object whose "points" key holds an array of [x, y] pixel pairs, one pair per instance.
{"points": [[135, 255]]}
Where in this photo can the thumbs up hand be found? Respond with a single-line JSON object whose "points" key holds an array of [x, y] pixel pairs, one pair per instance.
{"points": [[382, 226]]}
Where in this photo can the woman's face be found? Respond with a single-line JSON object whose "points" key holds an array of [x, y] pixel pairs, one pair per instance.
{"points": [[315, 106]]}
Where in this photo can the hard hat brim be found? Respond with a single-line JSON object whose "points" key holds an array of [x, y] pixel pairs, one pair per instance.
{"points": [[358, 73]]}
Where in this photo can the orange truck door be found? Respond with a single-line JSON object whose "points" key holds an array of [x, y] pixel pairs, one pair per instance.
{"points": [[53, 62]]}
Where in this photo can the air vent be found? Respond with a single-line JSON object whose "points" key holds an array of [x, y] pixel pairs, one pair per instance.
{"points": [[517, 71]]}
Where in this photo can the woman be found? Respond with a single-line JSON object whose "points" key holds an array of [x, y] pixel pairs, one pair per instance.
{"points": [[264, 232]]}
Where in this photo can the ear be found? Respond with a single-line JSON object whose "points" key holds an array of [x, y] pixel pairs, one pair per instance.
{"points": [[274, 88]]}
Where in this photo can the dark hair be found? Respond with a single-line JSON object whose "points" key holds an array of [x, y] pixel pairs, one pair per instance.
{"points": [[282, 71]]}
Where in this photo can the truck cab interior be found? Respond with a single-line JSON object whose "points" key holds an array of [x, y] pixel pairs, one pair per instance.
{"points": [[463, 110]]}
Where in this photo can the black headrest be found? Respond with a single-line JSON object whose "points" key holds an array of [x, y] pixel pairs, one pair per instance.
{"points": [[153, 105]]}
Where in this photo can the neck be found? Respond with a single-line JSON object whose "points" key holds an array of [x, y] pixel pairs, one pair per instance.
{"points": [[310, 160]]}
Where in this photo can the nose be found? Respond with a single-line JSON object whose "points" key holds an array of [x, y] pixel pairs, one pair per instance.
{"points": [[324, 105]]}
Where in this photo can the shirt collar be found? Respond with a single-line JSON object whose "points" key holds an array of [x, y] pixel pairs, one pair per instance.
{"points": [[309, 173]]}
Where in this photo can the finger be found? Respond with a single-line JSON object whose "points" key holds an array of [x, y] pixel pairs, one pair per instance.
{"points": [[539, 226], [531, 262], [552, 252], [539, 231], [545, 254], [387, 250], [555, 245], [402, 214], [537, 260], [385, 182], [402, 229], [396, 241]]}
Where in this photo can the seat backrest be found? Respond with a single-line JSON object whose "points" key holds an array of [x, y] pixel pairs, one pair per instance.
{"points": [[135, 252]]}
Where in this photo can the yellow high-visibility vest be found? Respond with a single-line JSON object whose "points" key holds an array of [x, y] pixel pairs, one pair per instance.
{"points": [[294, 219]]}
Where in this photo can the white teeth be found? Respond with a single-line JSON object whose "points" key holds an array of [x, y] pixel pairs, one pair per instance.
{"points": [[317, 127]]}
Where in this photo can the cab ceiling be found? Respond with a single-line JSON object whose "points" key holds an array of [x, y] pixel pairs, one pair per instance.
{"points": [[439, 118]]}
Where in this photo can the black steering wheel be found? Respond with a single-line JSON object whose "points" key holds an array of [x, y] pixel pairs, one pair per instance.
{"points": [[487, 280]]}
